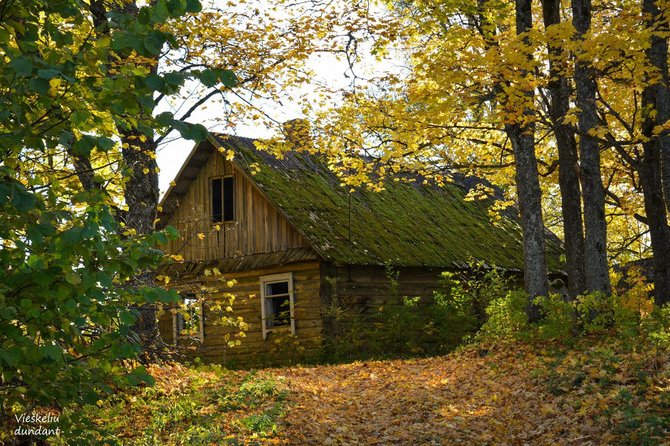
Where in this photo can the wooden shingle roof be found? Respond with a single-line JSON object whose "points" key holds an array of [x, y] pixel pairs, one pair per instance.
{"points": [[407, 224]]}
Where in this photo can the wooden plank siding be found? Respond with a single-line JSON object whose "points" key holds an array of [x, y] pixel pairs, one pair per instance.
{"points": [[258, 226], [254, 350]]}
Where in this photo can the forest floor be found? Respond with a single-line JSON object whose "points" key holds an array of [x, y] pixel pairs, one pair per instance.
{"points": [[511, 394]]}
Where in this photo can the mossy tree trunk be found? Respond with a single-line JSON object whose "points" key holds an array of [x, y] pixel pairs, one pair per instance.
{"points": [[141, 195], [568, 177], [522, 136], [595, 225], [655, 113]]}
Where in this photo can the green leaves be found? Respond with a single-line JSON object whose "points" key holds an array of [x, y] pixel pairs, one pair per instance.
{"points": [[10, 356], [154, 82], [195, 132], [227, 78], [127, 318], [208, 78], [162, 10], [22, 66], [80, 117], [154, 42], [17, 195], [213, 76], [39, 85], [65, 293], [47, 74], [85, 144], [53, 352], [72, 236], [193, 6]]}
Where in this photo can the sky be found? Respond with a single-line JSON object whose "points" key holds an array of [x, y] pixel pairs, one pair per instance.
{"points": [[328, 70], [172, 155]]}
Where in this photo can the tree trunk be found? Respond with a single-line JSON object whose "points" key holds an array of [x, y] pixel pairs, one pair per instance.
{"points": [[595, 235], [568, 178], [141, 194], [529, 193], [654, 105], [141, 190], [658, 58], [529, 196], [650, 180]]}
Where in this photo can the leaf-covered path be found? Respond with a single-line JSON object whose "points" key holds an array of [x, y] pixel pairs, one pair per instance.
{"points": [[473, 398], [597, 393]]}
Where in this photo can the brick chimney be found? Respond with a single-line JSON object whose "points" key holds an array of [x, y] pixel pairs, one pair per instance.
{"points": [[297, 134]]}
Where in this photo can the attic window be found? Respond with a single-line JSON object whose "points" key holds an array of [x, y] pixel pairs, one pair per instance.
{"points": [[277, 301], [223, 199]]}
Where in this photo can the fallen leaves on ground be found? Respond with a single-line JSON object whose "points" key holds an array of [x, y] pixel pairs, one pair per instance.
{"points": [[511, 394], [508, 396]]}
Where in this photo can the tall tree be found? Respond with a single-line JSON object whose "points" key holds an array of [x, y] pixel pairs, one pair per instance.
{"points": [[522, 135], [568, 178], [657, 22], [65, 299], [656, 111], [595, 225]]}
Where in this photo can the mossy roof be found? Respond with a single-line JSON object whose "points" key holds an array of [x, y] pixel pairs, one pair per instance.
{"points": [[407, 224]]}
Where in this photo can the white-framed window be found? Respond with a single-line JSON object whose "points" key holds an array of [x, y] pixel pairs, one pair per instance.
{"points": [[188, 320], [277, 303]]}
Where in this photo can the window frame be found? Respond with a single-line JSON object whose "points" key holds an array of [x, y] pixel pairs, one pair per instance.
{"points": [[223, 199], [176, 316], [268, 280]]}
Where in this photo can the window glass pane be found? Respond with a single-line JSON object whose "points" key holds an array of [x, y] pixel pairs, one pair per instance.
{"points": [[217, 200], [281, 309], [269, 314], [228, 199], [277, 304], [188, 320], [276, 288]]}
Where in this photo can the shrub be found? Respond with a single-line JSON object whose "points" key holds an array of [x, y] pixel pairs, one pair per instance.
{"points": [[557, 318], [506, 317], [414, 325]]}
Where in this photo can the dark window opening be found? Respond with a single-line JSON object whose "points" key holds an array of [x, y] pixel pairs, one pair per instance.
{"points": [[217, 200], [228, 199], [277, 288], [223, 199], [278, 304]]}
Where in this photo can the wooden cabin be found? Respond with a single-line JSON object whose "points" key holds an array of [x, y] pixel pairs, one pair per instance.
{"points": [[288, 239]]}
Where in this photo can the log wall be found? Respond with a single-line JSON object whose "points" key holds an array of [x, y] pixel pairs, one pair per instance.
{"points": [[254, 350], [366, 288]]}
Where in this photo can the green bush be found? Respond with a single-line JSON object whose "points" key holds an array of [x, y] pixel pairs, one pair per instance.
{"points": [[415, 326], [558, 318], [506, 317]]}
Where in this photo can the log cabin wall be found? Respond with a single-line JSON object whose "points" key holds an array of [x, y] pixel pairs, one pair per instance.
{"points": [[364, 289], [254, 350], [257, 228]]}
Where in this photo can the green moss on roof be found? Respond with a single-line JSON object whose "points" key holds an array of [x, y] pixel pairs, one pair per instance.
{"points": [[407, 224]]}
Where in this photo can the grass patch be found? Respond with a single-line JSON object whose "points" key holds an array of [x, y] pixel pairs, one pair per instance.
{"points": [[194, 405]]}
